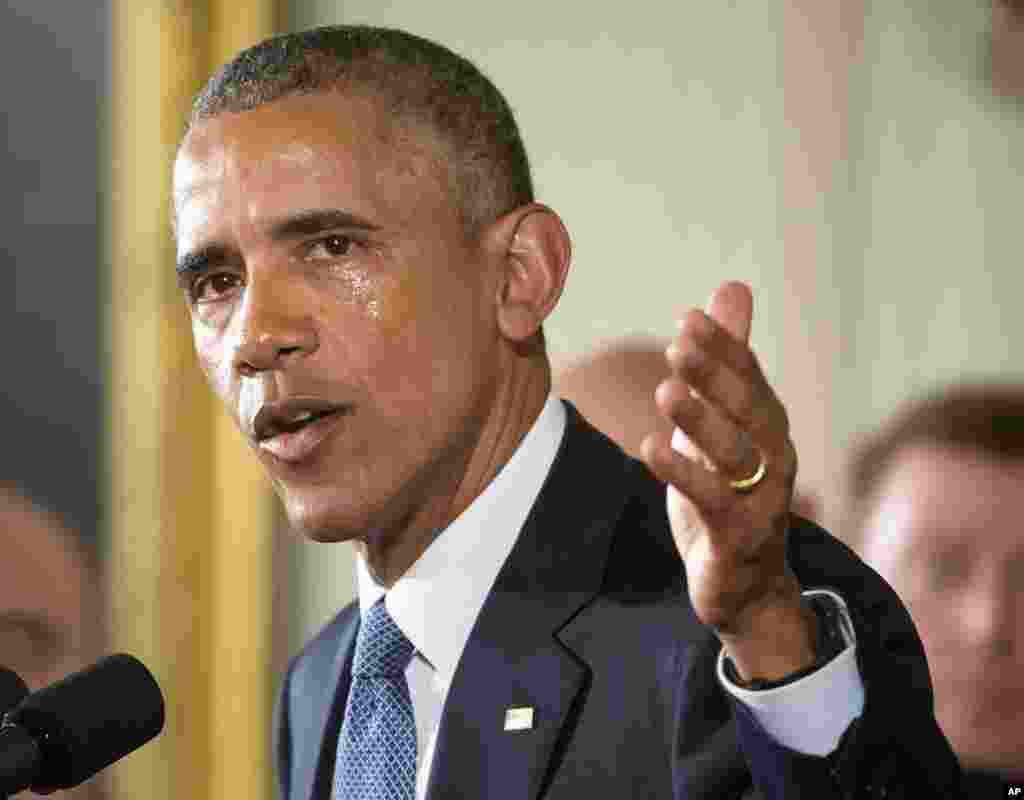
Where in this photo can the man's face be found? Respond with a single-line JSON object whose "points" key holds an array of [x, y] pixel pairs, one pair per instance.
{"points": [[328, 273], [947, 534]]}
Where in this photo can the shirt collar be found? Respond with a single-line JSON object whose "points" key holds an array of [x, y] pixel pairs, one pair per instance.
{"points": [[436, 602]]}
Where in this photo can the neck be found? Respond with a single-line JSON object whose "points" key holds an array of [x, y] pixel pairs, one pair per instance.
{"points": [[463, 475]]}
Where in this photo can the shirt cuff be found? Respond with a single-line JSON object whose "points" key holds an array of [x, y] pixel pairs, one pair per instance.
{"points": [[810, 715]]}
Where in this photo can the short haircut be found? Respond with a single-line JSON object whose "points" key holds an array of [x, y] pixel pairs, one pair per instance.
{"points": [[421, 84], [984, 416]]}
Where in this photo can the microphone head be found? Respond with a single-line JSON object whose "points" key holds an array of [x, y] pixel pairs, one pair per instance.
{"points": [[12, 689], [90, 719]]}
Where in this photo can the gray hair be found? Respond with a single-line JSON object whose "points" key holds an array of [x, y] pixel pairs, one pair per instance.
{"points": [[421, 84]]}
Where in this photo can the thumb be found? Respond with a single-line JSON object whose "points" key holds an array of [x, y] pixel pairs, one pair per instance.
{"points": [[732, 307]]}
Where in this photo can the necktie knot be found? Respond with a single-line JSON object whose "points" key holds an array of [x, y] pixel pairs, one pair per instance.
{"points": [[381, 649]]}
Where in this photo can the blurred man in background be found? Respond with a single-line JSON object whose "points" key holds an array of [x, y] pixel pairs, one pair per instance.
{"points": [[51, 609], [613, 387], [938, 502]]}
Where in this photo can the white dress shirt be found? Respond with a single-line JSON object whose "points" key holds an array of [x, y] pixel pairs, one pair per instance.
{"points": [[436, 603]]}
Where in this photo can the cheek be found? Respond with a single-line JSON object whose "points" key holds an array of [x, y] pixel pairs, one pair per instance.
{"points": [[933, 616], [393, 359], [399, 343], [213, 353], [379, 299], [888, 558], [884, 554], [930, 625]]}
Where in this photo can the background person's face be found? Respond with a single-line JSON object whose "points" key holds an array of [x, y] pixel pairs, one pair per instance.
{"points": [[49, 611], [44, 604], [948, 534], [386, 316]]}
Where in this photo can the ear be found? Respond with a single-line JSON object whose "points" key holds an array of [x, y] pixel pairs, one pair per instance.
{"points": [[534, 249]]}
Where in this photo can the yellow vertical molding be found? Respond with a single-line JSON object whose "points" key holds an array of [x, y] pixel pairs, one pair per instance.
{"points": [[153, 70], [189, 515]]}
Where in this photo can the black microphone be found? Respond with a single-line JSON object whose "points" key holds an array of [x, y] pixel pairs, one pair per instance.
{"points": [[12, 689], [66, 733]]}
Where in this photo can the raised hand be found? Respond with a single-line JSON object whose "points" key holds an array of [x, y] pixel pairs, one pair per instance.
{"points": [[730, 469]]}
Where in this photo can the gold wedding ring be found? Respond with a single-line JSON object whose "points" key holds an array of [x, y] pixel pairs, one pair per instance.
{"points": [[747, 484]]}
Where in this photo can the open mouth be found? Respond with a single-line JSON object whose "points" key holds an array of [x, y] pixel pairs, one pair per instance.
{"points": [[298, 423], [292, 430]]}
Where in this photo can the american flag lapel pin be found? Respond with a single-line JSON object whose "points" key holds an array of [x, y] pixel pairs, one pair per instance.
{"points": [[519, 718]]}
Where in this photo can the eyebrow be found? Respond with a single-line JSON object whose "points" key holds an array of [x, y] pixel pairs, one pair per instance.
{"points": [[201, 259], [294, 226], [318, 220]]}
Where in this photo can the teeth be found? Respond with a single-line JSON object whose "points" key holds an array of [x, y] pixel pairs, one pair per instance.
{"points": [[303, 416]]}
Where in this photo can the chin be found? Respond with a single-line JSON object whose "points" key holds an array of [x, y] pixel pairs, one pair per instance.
{"points": [[333, 518], [1002, 763], [324, 535], [988, 747], [325, 528]]}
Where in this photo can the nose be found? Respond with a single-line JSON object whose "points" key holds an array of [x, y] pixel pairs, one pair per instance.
{"points": [[276, 325]]}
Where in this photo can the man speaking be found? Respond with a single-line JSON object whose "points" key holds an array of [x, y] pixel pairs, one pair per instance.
{"points": [[539, 616]]}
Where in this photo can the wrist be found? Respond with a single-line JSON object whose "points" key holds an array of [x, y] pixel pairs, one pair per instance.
{"points": [[780, 641], [833, 637]]}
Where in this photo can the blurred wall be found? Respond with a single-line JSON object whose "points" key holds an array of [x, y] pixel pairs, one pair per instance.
{"points": [[843, 156], [54, 57], [935, 216]]}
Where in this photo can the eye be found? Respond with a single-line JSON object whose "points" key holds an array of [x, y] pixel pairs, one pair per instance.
{"points": [[334, 246], [214, 287], [946, 570], [1015, 570]]}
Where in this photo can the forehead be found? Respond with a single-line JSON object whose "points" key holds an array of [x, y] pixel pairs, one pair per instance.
{"points": [[317, 150], [937, 495]]}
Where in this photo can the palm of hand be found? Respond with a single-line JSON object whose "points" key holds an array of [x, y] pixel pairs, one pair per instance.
{"points": [[726, 552], [732, 544]]}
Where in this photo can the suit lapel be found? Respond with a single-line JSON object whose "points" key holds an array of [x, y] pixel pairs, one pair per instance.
{"points": [[317, 697], [514, 657]]}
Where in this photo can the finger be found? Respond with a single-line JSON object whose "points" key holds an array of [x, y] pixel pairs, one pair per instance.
{"points": [[732, 306], [713, 380], [709, 491], [728, 447], [715, 340], [682, 443]]}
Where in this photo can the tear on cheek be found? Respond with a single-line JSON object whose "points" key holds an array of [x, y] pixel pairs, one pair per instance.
{"points": [[365, 290]]}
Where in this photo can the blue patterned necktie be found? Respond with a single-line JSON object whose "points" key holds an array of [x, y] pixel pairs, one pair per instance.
{"points": [[376, 757]]}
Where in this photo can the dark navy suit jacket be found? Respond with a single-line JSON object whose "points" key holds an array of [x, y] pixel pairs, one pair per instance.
{"points": [[589, 622]]}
